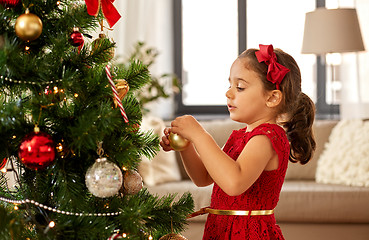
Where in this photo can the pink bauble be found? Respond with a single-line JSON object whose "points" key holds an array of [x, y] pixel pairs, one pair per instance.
{"points": [[132, 182]]}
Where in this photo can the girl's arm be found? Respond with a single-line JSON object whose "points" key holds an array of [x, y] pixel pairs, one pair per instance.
{"points": [[234, 177], [195, 167], [191, 161]]}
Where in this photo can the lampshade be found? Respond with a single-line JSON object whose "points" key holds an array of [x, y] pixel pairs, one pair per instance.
{"points": [[332, 31]]}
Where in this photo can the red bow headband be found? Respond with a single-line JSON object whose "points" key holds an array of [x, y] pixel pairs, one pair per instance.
{"points": [[276, 71]]}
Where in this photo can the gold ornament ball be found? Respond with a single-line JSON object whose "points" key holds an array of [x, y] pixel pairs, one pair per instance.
{"points": [[28, 26], [100, 41], [177, 142], [173, 236]]}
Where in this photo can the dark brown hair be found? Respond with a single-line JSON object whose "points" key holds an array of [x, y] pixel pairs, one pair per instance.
{"points": [[298, 108]]}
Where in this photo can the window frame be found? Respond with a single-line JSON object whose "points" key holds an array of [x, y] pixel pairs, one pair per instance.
{"points": [[323, 109]]}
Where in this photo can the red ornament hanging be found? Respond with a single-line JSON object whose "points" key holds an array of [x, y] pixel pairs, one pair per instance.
{"points": [[76, 38], [9, 3], [37, 150]]}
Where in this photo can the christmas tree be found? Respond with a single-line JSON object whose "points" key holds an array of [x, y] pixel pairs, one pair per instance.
{"points": [[70, 130]]}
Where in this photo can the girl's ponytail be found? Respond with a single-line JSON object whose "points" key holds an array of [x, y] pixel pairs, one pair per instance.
{"points": [[299, 130], [295, 105]]}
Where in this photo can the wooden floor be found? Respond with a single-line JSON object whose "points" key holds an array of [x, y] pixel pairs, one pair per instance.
{"points": [[305, 231]]}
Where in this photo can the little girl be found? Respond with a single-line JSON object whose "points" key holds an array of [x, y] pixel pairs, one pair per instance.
{"points": [[248, 173]]}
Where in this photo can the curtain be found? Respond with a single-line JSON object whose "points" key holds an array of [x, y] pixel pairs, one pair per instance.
{"points": [[354, 73], [355, 86], [148, 21]]}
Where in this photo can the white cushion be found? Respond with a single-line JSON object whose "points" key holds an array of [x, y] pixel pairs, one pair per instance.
{"points": [[345, 159], [163, 167]]}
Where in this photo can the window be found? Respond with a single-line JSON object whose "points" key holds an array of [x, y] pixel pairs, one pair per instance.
{"points": [[282, 25], [205, 48], [209, 35]]}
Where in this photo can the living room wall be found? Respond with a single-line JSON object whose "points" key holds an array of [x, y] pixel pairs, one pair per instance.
{"points": [[151, 22]]}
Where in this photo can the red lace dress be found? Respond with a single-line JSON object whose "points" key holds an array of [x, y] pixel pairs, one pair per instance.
{"points": [[262, 195]]}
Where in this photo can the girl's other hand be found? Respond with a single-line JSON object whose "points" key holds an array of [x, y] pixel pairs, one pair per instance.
{"points": [[164, 143]]}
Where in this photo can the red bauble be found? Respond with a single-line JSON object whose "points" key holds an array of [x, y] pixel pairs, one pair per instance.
{"points": [[37, 150], [76, 38], [9, 3]]}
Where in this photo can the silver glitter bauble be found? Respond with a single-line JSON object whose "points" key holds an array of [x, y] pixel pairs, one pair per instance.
{"points": [[104, 178]]}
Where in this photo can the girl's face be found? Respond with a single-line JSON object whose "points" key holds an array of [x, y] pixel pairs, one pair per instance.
{"points": [[246, 97]]}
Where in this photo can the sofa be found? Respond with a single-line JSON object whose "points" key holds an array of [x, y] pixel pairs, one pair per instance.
{"points": [[307, 209]]}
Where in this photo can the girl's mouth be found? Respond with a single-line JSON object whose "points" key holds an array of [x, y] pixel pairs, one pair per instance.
{"points": [[230, 107]]}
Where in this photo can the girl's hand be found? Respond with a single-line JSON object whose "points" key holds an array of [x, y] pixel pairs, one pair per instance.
{"points": [[164, 143], [188, 127]]}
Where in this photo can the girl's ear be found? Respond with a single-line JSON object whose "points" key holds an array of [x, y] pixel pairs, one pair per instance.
{"points": [[274, 98]]}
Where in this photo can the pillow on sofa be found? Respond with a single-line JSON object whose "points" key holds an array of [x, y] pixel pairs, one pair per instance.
{"points": [[322, 130], [345, 159], [163, 167]]}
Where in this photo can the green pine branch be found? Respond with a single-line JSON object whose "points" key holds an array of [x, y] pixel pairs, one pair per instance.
{"points": [[65, 91]]}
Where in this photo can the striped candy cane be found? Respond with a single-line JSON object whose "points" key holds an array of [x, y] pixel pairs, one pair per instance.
{"points": [[115, 236], [107, 70]]}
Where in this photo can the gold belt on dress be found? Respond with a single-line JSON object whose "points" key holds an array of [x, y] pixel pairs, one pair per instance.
{"points": [[231, 212]]}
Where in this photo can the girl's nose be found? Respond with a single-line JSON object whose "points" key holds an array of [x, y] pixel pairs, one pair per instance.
{"points": [[229, 93]]}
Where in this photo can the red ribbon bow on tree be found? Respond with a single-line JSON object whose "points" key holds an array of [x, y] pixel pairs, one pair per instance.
{"points": [[110, 12], [276, 71]]}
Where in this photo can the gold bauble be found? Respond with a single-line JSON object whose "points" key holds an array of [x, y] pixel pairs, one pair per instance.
{"points": [[177, 142], [98, 42], [28, 26], [122, 89], [173, 236]]}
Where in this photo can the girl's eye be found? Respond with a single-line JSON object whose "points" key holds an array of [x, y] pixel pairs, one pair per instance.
{"points": [[240, 87]]}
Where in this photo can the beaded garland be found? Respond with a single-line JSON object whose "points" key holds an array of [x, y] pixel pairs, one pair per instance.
{"points": [[18, 202], [27, 82]]}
